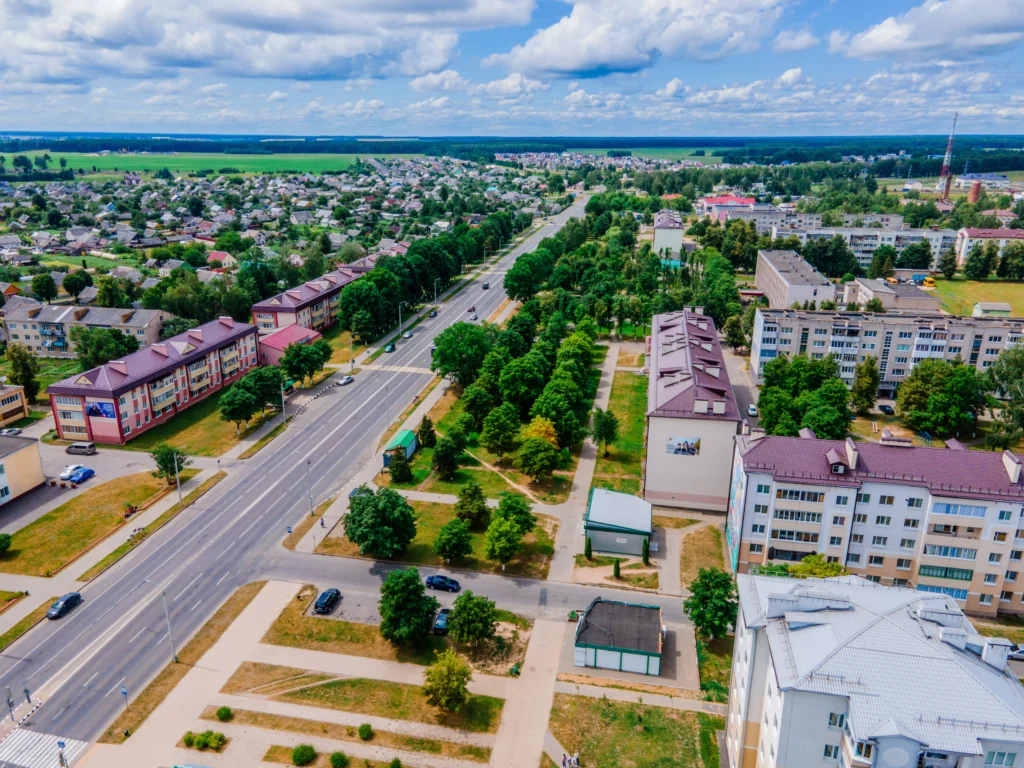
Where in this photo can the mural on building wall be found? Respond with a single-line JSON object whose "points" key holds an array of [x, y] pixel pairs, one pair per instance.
{"points": [[101, 410], [737, 497], [683, 446]]}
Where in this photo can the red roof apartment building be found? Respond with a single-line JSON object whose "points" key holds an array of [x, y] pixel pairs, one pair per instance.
{"points": [[122, 399], [314, 304]]}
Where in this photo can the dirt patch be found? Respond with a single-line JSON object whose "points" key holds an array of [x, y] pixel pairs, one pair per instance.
{"points": [[701, 548], [678, 693]]}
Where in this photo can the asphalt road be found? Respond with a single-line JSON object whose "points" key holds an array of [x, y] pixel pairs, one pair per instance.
{"points": [[231, 537]]}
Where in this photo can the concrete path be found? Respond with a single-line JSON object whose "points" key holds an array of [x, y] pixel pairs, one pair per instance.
{"points": [[439, 498], [644, 697], [553, 749], [669, 558], [43, 588], [569, 542], [524, 722]]}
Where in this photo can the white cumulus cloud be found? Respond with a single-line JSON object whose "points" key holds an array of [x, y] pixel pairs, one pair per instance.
{"points": [[446, 80], [277, 96], [793, 40]]}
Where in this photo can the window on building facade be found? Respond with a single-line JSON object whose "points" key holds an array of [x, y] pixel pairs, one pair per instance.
{"points": [[863, 498], [911, 522], [842, 501], [882, 520], [879, 541], [838, 520], [876, 560]]}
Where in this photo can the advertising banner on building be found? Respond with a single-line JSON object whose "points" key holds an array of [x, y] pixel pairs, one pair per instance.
{"points": [[683, 446]]}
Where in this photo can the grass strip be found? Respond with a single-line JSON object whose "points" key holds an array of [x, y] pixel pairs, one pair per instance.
{"points": [[307, 522], [150, 529], [673, 522], [283, 756], [143, 705], [25, 624], [338, 732], [397, 423], [260, 444]]}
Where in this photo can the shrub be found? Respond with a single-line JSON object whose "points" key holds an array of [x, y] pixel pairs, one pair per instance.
{"points": [[5, 542], [339, 760], [203, 740], [217, 740], [615, 568], [189, 739], [224, 714], [396, 763], [303, 754], [365, 731], [588, 551]]}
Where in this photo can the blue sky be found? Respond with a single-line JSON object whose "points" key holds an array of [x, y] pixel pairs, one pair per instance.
{"points": [[513, 67]]}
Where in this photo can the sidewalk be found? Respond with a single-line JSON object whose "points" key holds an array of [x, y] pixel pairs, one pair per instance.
{"points": [[644, 697], [43, 588]]}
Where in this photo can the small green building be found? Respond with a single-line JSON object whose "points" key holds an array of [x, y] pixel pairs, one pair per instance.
{"points": [[404, 440]]}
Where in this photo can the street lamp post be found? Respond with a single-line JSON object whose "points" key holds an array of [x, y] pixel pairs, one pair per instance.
{"points": [[167, 614], [436, 281], [177, 480], [284, 415], [309, 488]]}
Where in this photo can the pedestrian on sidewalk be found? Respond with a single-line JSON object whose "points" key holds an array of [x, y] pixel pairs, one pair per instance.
{"points": [[576, 759], [322, 523], [564, 759]]}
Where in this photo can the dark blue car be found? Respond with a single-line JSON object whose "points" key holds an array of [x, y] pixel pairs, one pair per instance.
{"points": [[441, 622], [82, 475], [443, 582], [63, 605]]}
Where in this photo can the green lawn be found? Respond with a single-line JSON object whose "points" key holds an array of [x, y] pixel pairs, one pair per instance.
{"points": [[1010, 627], [714, 660], [532, 562], [339, 340], [51, 370], [960, 295], [91, 262], [628, 402], [25, 624], [186, 162], [611, 734]]}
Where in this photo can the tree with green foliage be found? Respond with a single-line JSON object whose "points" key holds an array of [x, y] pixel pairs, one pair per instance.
{"points": [[75, 282], [1006, 379], [473, 619], [588, 549], [43, 287], [453, 541], [381, 523], [446, 682], [503, 540], [735, 336], [645, 552], [303, 754], [110, 293], [866, 380], [339, 760], [237, 404], [942, 397], [947, 264], [399, 467], [522, 381], [606, 428], [425, 434], [874, 305], [501, 426], [265, 383], [96, 346], [24, 369], [815, 566], [881, 255], [478, 402], [169, 461], [472, 504], [517, 508], [460, 353], [5, 542], [537, 458], [406, 610], [915, 256], [712, 603], [446, 458], [977, 265], [301, 361]]}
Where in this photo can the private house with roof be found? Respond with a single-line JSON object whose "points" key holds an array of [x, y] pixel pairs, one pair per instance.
{"points": [[845, 672], [45, 329], [118, 401], [692, 416], [941, 520], [314, 304]]}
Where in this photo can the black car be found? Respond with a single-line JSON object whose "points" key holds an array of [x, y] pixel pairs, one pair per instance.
{"points": [[433, 313], [443, 582], [327, 600], [886, 409], [441, 622], [64, 605], [486, 286]]}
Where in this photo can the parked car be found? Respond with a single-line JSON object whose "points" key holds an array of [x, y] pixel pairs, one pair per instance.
{"points": [[64, 605], [347, 380], [10, 432], [81, 475], [441, 622], [407, 335], [486, 286], [443, 582], [433, 347], [81, 449], [888, 410], [69, 470], [433, 313], [471, 309], [751, 410], [327, 600], [1017, 655], [389, 348]]}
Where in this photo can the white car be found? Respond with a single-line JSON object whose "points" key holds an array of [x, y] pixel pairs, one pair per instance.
{"points": [[70, 469], [407, 335], [10, 432], [346, 380], [751, 410]]}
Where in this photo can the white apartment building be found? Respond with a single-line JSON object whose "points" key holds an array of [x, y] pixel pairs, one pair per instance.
{"points": [[899, 339], [786, 278], [766, 216], [847, 673], [944, 520], [968, 237], [864, 241]]}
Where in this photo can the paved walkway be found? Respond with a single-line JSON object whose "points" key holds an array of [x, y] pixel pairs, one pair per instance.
{"points": [[644, 697], [44, 588]]}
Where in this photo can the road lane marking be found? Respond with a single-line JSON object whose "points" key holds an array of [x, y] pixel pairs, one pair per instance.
{"points": [[90, 680], [194, 607], [136, 636], [222, 577], [187, 587], [116, 685]]}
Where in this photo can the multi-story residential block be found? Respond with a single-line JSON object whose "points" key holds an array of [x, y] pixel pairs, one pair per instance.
{"points": [[668, 232], [988, 180], [898, 338], [968, 237], [864, 241], [314, 304], [692, 416], [843, 672], [891, 295], [944, 520], [766, 216], [46, 328], [786, 278], [122, 399], [12, 403], [21, 467]]}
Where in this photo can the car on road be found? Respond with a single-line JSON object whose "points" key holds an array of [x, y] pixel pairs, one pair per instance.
{"points": [[81, 449], [327, 600], [347, 380], [751, 410], [10, 432], [471, 309], [443, 582], [486, 286], [69, 470], [64, 605], [474, 317], [81, 475], [888, 410], [407, 335], [433, 347], [1017, 654], [389, 348], [441, 622], [433, 313]]}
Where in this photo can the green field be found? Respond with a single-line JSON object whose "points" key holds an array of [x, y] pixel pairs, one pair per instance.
{"points": [[959, 295], [661, 153], [186, 162]]}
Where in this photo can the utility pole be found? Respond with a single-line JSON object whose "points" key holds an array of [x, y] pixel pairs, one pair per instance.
{"points": [[351, 355], [399, 318], [436, 281], [309, 488], [177, 480]]}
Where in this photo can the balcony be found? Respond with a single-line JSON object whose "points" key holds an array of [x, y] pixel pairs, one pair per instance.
{"points": [[944, 533]]}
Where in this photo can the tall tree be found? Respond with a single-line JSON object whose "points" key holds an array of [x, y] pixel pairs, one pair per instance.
{"points": [[382, 524], [169, 461], [472, 504], [238, 405], [947, 264], [98, 346], [606, 428], [503, 540], [473, 620], [44, 288], [24, 370], [446, 682], [537, 458], [712, 604], [461, 349], [500, 428], [446, 458], [866, 380], [454, 541], [406, 610]]}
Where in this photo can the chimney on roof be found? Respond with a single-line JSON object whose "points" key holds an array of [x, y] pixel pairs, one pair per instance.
{"points": [[79, 313], [196, 333], [160, 349], [229, 322], [806, 433], [953, 636], [897, 442], [757, 433], [955, 445], [120, 366], [126, 316], [851, 454], [1012, 465], [996, 651]]}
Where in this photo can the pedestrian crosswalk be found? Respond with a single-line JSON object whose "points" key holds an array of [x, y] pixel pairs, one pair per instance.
{"points": [[24, 748], [396, 368]]}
